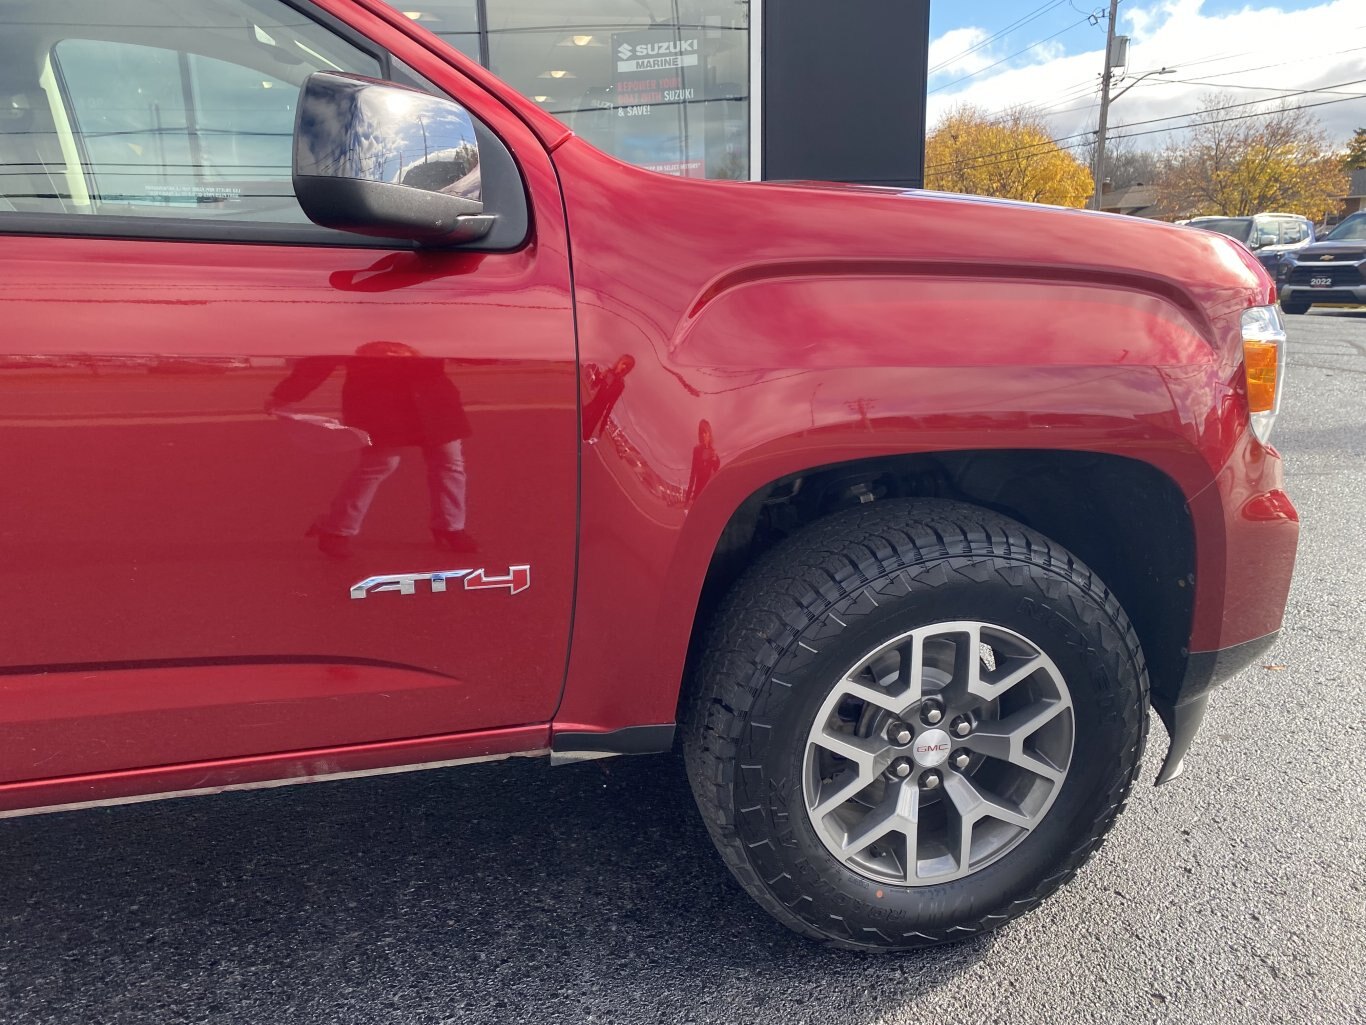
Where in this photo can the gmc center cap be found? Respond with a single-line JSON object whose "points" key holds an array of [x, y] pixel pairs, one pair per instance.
{"points": [[931, 749]]}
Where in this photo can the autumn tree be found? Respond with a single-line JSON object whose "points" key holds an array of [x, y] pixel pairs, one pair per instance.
{"points": [[1355, 160], [1279, 159], [1125, 163], [1010, 156]]}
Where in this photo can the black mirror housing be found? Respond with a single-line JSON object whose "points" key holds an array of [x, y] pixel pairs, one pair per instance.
{"points": [[382, 210], [374, 158]]}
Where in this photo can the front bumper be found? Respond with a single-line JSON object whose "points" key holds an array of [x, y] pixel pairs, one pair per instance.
{"points": [[1336, 294], [1183, 713], [1342, 277], [1246, 534]]}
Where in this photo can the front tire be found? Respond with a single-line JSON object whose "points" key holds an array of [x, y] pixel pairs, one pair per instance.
{"points": [[912, 722], [1295, 308]]}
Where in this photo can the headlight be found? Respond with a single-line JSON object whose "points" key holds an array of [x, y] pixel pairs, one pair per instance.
{"points": [[1264, 365]]}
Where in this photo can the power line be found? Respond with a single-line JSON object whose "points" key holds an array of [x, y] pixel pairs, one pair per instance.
{"points": [[1054, 112], [1085, 136], [1239, 117], [1250, 103], [1258, 88], [1063, 144], [1200, 79], [1088, 87], [1033, 15], [1017, 53], [973, 163], [1080, 89], [1248, 53]]}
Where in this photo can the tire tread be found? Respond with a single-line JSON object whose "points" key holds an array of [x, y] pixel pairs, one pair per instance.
{"points": [[779, 599]]}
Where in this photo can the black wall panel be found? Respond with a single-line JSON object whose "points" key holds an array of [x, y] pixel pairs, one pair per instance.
{"points": [[844, 90]]}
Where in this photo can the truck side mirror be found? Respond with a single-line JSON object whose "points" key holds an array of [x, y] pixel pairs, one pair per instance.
{"points": [[379, 159]]}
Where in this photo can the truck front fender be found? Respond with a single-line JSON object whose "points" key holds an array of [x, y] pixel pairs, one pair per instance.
{"points": [[773, 374]]}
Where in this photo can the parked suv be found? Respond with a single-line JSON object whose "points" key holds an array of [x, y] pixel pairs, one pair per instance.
{"points": [[1330, 271], [360, 418], [1271, 236]]}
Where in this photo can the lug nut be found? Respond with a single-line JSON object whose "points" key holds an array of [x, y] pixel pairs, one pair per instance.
{"points": [[930, 780], [961, 760], [901, 768], [962, 726], [932, 712], [899, 734]]}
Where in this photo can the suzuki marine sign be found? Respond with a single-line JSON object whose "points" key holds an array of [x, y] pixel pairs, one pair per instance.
{"points": [[659, 73], [657, 54]]}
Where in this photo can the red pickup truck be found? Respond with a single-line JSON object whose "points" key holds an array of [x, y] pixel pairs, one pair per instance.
{"points": [[358, 418]]}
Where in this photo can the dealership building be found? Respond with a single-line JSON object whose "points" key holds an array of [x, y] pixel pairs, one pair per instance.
{"points": [[742, 89]]}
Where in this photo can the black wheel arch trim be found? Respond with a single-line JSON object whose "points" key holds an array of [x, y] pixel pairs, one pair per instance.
{"points": [[1183, 710]]}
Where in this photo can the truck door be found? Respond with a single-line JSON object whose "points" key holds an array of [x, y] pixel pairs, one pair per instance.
{"points": [[266, 487]]}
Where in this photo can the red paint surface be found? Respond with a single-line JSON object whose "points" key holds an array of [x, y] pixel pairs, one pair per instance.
{"points": [[943, 323], [292, 765], [155, 514], [728, 334]]}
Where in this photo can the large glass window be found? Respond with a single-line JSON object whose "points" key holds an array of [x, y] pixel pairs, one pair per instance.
{"points": [[661, 83], [455, 21]]}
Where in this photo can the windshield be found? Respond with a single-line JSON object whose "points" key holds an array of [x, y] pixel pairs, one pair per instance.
{"points": [[1353, 229], [1234, 227]]}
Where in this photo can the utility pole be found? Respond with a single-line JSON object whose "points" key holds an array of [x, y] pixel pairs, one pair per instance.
{"points": [[1098, 171]]}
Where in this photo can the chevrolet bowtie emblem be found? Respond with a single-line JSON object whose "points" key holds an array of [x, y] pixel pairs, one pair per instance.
{"points": [[1326, 256]]}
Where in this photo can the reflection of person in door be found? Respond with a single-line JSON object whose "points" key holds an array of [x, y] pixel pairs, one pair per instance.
{"points": [[401, 399], [603, 388], [705, 461]]}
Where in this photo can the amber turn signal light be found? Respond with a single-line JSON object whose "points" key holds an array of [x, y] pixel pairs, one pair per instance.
{"points": [[1264, 367], [1261, 359]]}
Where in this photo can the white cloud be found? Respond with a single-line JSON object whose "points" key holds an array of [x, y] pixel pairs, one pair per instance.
{"points": [[947, 53], [1305, 45]]}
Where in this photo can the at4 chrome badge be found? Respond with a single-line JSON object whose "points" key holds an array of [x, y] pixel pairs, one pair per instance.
{"points": [[516, 580]]}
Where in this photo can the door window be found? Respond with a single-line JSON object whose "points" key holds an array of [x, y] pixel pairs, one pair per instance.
{"points": [[1293, 232], [155, 108]]}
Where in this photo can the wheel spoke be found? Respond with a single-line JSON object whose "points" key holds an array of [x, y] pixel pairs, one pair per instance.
{"points": [[974, 803], [993, 685], [908, 811], [1005, 739], [862, 751], [866, 757], [875, 696], [899, 813], [959, 839], [910, 675], [969, 658], [874, 826], [854, 786]]}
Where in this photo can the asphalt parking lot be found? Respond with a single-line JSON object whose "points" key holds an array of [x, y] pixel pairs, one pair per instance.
{"points": [[512, 892]]}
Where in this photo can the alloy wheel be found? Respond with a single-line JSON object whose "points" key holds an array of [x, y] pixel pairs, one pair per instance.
{"points": [[938, 753]]}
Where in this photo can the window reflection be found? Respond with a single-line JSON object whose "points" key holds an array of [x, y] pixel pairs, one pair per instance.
{"points": [[661, 83], [455, 21]]}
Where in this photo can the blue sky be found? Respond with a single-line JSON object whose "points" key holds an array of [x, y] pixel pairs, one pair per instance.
{"points": [[1246, 51], [993, 14]]}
